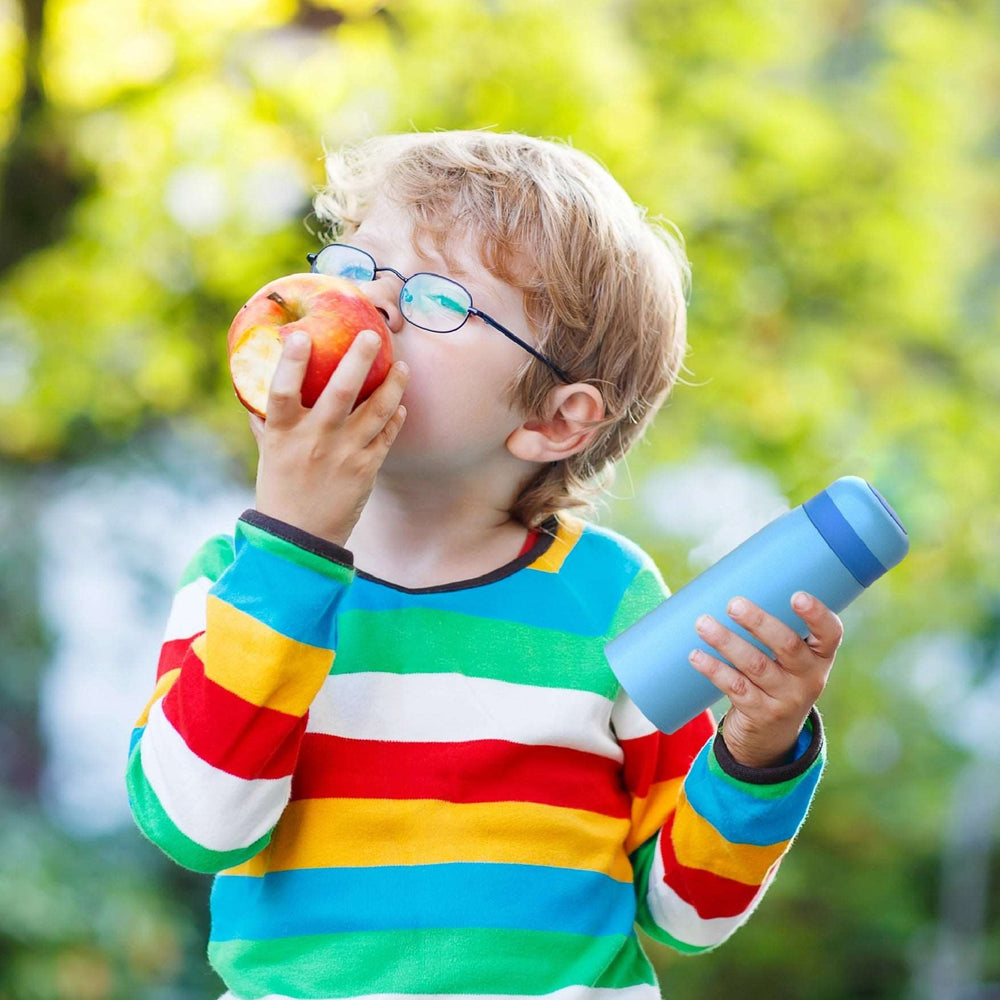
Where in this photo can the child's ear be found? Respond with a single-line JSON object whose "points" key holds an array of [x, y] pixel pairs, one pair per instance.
{"points": [[563, 430]]}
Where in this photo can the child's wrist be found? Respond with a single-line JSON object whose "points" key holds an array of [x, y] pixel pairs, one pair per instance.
{"points": [[761, 751]]}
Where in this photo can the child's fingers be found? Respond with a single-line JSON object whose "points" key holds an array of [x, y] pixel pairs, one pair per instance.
{"points": [[787, 645], [340, 394], [754, 664], [384, 439], [826, 630], [284, 397], [736, 686], [375, 414]]}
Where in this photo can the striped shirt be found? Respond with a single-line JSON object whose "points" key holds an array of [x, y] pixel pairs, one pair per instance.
{"points": [[442, 791]]}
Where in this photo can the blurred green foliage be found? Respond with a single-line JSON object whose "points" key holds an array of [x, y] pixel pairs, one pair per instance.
{"points": [[833, 167]]}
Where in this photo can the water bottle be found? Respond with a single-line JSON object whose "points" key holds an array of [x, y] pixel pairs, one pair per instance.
{"points": [[832, 546]]}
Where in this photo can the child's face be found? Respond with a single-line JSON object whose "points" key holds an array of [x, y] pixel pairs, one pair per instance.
{"points": [[455, 418]]}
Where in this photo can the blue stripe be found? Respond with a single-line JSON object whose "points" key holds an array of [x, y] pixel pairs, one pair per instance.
{"points": [[339, 900], [297, 602], [135, 737], [836, 530], [580, 600], [741, 817]]}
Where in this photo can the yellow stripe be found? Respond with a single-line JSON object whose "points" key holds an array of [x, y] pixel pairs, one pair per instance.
{"points": [[698, 844], [335, 833], [567, 535], [163, 685], [651, 812], [258, 664]]}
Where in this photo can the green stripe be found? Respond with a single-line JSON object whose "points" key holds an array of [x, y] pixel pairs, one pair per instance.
{"points": [[153, 821], [642, 863], [210, 560], [476, 647], [646, 592], [262, 539], [659, 934], [428, 960], [763, 792]]}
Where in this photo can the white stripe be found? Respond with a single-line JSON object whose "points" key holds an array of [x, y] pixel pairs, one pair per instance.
{"points": [[451, 707], [187, 613], [627, 721], [641, 992], [681, 920], [216, 810]]}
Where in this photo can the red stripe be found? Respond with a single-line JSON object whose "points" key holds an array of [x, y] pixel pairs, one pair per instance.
{"points": [[657, 757], [172, 654], [471, 771], [529, 541], [711, 895], [229, 733]]}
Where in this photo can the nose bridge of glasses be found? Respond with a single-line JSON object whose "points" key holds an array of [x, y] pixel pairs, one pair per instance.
{"points": [[391, 270]]}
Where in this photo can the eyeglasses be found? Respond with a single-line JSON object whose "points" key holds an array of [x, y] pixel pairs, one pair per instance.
{"points": [[430, 301]]}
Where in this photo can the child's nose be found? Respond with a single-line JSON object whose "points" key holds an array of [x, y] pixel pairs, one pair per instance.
{"points": [[384, 293]]}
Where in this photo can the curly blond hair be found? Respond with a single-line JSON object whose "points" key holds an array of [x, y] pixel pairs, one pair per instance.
{"points": [[605, 287]]}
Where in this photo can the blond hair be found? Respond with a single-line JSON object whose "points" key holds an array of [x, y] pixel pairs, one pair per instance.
{"points": [[605, 287]]}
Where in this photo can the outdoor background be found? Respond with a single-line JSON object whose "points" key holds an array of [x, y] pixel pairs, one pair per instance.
{"points": [[833, 167]]}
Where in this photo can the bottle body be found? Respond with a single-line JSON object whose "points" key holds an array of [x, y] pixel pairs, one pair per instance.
{"points": [[813, 547]]}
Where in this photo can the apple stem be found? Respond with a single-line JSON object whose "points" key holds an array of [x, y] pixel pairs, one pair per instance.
{"points": [[275, 297]]}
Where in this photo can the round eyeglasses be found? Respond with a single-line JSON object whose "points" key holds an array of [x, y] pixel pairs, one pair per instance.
{"points": [[430, 301]]}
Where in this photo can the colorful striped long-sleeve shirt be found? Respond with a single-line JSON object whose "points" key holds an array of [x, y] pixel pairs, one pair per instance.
{"points": [[442, 790]]}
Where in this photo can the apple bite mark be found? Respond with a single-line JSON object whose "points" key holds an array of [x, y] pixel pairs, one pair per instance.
{"points": [[252, 365]]}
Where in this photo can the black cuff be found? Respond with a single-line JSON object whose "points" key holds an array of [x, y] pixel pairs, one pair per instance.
{"points": [[771, 775], [303, 539]]}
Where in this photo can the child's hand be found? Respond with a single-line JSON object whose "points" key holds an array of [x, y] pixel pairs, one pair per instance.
{"points": [[770, 698], [317, 466]]}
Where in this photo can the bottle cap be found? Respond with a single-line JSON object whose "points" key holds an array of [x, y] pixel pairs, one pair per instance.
{"points": [[857, 522]]}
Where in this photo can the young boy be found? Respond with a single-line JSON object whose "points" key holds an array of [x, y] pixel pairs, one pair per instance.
{"points": [[383, 717]]}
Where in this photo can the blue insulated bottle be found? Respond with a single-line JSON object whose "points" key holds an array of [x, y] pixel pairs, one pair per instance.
{"points": [[833, 546]]}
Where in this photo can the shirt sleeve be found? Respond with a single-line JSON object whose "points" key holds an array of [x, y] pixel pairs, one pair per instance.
{"points": [[250, 639], [707, 834]]}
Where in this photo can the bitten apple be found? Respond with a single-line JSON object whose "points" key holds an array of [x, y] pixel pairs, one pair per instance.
{"points": [[331, 310]]}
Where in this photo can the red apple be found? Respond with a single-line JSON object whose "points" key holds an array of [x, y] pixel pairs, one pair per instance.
{"points": [[331, 310]]}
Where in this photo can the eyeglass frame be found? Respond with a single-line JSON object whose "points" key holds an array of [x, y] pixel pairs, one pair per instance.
{"points": [[471, 311]]}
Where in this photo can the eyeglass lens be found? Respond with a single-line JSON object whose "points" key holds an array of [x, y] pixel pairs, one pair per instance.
{"points": [[344, 262], [435, 303], [430, 301]]}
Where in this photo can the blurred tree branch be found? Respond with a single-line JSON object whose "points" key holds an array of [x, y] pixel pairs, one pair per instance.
{"points": [[39, 184], [308, 15]]}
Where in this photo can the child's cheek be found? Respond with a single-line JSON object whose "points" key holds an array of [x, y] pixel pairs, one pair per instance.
{"points": [[423, 407]]}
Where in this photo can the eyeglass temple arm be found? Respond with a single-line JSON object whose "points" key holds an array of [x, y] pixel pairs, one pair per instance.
{"points": [[311, 257], [517, 340]]}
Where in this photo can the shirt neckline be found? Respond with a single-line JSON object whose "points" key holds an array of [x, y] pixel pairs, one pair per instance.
{"points": [[547, 529]]}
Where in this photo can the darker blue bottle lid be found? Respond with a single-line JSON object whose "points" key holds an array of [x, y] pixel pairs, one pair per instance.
{"points": [[837, 532]]}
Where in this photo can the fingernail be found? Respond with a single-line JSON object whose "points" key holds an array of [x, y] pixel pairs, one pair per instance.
{"points": [[369, 338], [737, 606], [801, 601], [402, 367], [298, 339]]}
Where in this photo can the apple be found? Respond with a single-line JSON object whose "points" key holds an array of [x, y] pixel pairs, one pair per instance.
{"points": [[331, 310]]}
